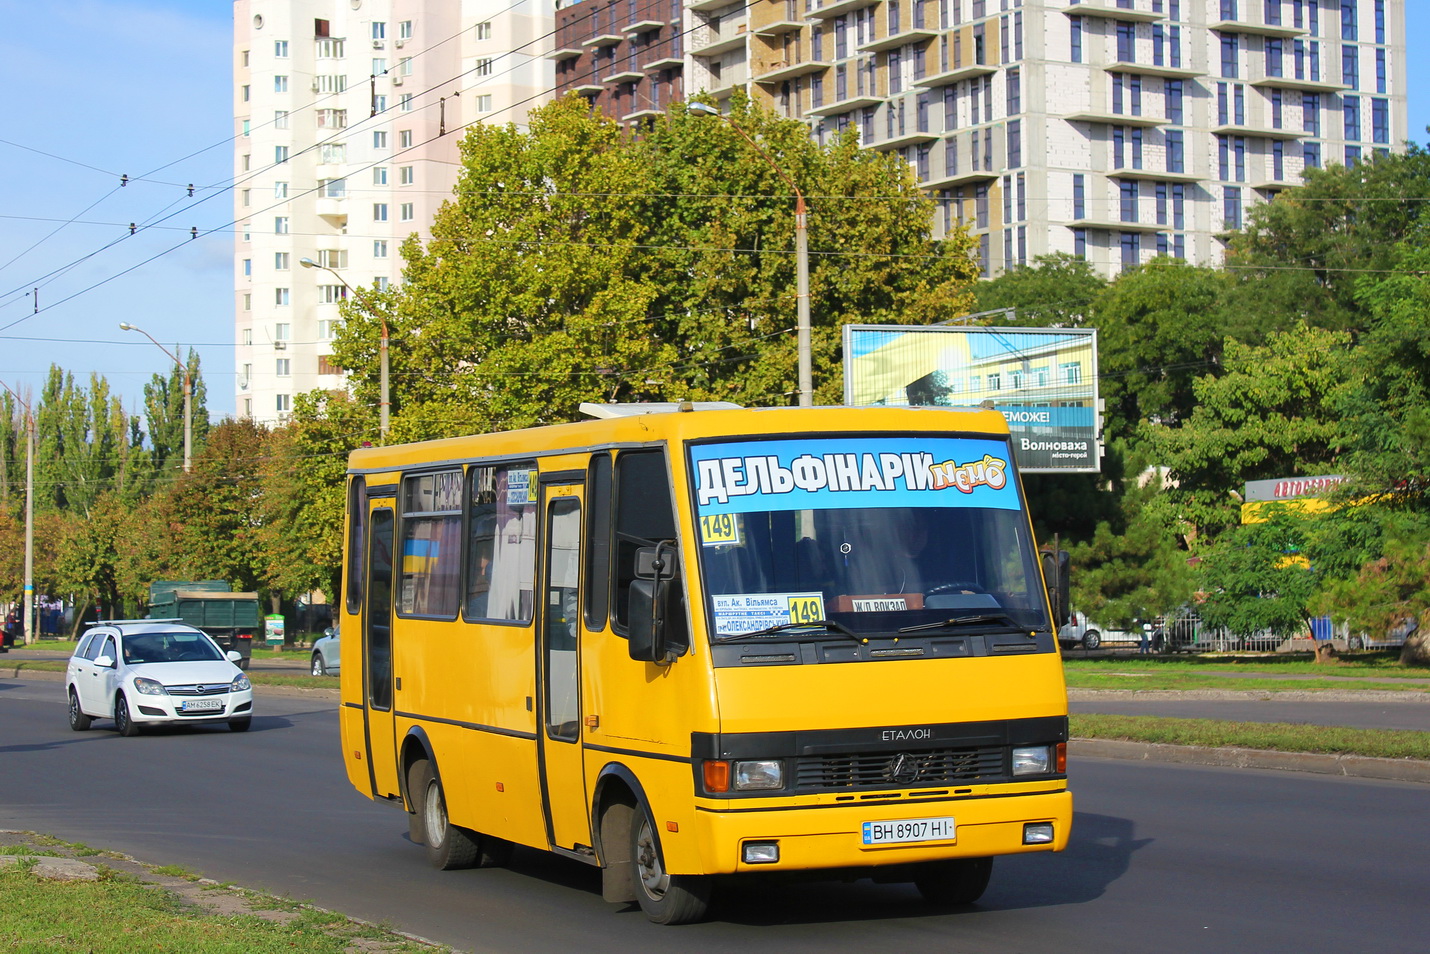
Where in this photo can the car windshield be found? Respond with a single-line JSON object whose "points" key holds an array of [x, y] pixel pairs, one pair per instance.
{"points": [[168, 647], [913, 531]]}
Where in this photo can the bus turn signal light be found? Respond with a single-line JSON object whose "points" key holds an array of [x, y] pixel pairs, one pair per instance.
{"points": [[717, 776]]}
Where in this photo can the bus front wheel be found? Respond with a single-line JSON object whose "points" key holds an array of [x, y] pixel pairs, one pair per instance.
{"points": [[665, 898], [952, 883]]}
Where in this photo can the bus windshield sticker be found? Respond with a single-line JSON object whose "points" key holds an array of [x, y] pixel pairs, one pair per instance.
{"points": [[848, 473], [720, 530], [740, 613]]}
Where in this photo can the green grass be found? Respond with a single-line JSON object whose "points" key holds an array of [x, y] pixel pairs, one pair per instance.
{"points": [[1377, 671], [1276, 736], [119, 914], [1379, 665]]}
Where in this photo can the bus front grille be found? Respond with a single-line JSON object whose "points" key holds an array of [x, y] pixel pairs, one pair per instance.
{"points": [[917, 769]]}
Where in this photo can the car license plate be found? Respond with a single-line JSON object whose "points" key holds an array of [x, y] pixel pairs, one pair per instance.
{"points": [[201, 705], [909, 830]]}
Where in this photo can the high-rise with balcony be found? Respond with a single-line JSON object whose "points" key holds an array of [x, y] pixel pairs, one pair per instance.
{"points": [[1116, 130], [348, 115]]}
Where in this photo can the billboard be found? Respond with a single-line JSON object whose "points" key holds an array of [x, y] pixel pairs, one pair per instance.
{"points": [[1043, 380]]}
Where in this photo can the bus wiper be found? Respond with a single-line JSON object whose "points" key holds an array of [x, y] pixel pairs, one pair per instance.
{"points": [[828, 625], [981, 618]]}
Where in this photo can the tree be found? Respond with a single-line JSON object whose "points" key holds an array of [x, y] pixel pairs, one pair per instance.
{"points": [[1389, 408], [1301, 256], [164, 407], [215, 513], [1056, 291], [1131, 568], [723, 257], [93, 562], [304, 485], [577, 263], [83, 443], [1273, 412], [1159, 328], [1256, 578]]}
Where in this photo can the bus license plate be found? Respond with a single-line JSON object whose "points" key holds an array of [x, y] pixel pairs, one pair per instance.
{"points": [[202, 705], [909, 830]]}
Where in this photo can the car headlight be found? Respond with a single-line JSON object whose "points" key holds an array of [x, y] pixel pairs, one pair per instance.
{"points": [[240, 683], [762, 775], [1033, 760], [148, 687]]}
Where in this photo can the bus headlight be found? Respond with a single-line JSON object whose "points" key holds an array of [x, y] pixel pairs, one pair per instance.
{"points": [[763, 775], [1033, 760]]}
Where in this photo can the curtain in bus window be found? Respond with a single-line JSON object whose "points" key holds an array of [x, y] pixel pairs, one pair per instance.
{"points": [[501, 542], [431, 566]]}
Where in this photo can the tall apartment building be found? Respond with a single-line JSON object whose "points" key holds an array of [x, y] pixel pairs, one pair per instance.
{"points": [[1112, 129], [348, 115]]}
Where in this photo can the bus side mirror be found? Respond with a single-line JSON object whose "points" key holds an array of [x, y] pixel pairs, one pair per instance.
{"points": [[1056, 565], [649, 600]]}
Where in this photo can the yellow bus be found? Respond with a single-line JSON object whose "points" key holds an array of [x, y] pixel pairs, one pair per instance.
{"points": [[686, 641]]}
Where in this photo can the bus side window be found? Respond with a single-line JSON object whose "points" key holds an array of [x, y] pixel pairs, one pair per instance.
{"points": [[598, 542], [645, 515], [501, 542], [357, 541]]}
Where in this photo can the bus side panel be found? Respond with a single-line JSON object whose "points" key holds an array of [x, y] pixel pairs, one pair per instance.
{"points": [[490, 782], [350, 710], [471, 688], [645, 708]]}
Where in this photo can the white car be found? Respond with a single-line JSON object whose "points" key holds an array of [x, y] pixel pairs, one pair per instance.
{"points": [[1080, 632], [143, 672]]}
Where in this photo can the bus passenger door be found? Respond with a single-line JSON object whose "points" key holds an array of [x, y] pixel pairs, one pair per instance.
{"points": [[377, 659], [563, 785]]}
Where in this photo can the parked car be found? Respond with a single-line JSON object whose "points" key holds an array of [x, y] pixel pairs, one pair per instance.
{"points": [[1080, 632], [146, 672], [326, 657], [1394, 637]]}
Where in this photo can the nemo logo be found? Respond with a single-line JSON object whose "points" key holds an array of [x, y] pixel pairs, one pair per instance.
{"points": [[988, 472]]}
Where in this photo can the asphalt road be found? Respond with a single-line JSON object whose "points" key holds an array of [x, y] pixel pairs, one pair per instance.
{"points": [[1165, 857]]}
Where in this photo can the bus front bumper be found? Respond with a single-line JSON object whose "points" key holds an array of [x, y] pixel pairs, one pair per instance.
{"points": [[839, 837]]}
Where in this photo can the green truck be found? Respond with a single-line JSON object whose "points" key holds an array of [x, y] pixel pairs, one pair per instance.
{"points": [[232, 619]]}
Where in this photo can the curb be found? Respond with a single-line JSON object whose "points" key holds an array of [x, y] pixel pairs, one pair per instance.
{"points": [[1348, 766]]}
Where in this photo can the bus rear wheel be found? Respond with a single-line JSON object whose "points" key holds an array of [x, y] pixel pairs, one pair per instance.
{"points": [[665, 898], [449, 846], [952, 883]]}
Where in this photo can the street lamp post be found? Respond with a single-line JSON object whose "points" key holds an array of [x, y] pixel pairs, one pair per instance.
{"points": [[188, 395], [29, 595], [801, 249], [383, 403]]}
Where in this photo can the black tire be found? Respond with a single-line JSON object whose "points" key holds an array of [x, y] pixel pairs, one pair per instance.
{"points": [[318, 669], [122, 720], [449, 846], [1357, 642], [1091, 639], [950, 884], [240, 725], [665, 898], [78, 720]]}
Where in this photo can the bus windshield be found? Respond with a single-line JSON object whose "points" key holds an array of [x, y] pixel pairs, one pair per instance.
{"points": [[874, 534]]}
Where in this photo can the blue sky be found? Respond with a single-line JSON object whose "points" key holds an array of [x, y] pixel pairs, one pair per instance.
{"points": [[142, 88]]}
